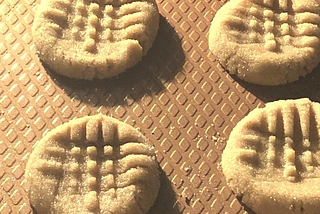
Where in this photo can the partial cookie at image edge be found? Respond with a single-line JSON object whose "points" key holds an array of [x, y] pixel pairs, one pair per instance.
{"points": [[92, 41], [241, 34], [271, 158]]}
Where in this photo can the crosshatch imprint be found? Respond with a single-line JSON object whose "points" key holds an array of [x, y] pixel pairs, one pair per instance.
{"points": [[267, 42], [93, 168], [99, 22], [276, 23], [286, 142], [96, 160], [89, 39]]}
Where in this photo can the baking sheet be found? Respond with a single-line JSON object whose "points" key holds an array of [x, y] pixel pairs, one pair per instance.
{"points": [[178, 96]]}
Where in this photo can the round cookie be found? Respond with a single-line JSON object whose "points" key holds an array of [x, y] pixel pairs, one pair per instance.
{"points": [[93, 164], [267, 42], [272, 158], [87, 39]]}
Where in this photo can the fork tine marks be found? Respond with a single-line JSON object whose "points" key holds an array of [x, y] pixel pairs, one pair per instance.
{"points": [[249, 141], [309, 41], [235, 23], [249, 156], [283, 5], [268, 3], [272, 120], [304, 115], [288, 120], [307, 29], [132, 8], [53, 13], [92, 128], [307, 17], [289, 115], [76, 132], [51, 167], [271, 152], [290, 171], [129, 20], [132, 32]]}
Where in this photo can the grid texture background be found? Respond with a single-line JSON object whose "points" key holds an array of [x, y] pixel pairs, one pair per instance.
{"points": [[177, 96]]}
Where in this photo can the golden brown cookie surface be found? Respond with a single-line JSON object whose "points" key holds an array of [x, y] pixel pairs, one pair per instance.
{"points": [[269, 42], [272, 158], [93, 164], [94, 39]]}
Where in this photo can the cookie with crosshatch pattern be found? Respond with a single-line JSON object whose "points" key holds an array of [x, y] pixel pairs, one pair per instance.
{"points": [[272, 158], [267, 42], [93, 164], [87, 39]]}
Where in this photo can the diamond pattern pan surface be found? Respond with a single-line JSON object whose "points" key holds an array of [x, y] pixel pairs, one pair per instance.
{"points": [[178, 96]]}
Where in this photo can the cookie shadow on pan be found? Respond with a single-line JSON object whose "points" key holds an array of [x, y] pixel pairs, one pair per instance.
{"points": [[166, 203], [158, 67], [308, 86], [249, 211], [33, 210]]}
